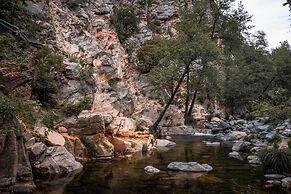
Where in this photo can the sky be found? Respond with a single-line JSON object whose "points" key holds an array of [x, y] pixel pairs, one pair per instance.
{"points": [[271, 17]]}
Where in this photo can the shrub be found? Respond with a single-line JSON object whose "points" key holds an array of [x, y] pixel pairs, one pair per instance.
{"points": [[277, 160], [10, 9], [44, 87], [276, 113], [13, 109], [74, 109], [86, 72], [50, 118], [125, 22], [276, 139], [89, 144], [8, 46]]}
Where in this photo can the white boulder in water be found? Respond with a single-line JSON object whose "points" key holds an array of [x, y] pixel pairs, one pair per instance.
{"points": [[189, 167]]}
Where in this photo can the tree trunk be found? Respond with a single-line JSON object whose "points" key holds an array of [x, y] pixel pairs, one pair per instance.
{"points": [[159, 119], [187, 95], [189, 113], [267, 87]]}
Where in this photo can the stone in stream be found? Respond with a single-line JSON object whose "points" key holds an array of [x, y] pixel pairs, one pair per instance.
{"points": [[254, 160], [164, 143], [151, 170], [274, 176], [235, 155], [189, 167], [239, 146], [286, 182], [212, 143]]}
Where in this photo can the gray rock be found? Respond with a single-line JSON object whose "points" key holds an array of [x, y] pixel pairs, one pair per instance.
{"points": [[212, 143], [286, 182], [189, 167], [72, 70], [239, 146], [287, 133], [164, 143], [235, 155], [56, 161], [38, 148], [254, 160], [151, 170], [263, 127], [274, 176]]}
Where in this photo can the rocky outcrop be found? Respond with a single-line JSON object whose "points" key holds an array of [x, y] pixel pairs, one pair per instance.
{"points": [[55, 160], [15, 172], [51, 137]]}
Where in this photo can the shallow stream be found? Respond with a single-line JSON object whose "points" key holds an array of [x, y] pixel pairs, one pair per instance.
{"points": [[127, 176]]}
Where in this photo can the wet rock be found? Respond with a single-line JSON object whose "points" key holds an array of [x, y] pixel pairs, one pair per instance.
{"points": [[189, 167], [212, 143], [164, 143], [274, 176], [286, 182], [255, 160], [239, 146], [151, 170], [235, 155]]}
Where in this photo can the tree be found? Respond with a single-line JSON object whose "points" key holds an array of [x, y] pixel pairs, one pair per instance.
{"points": [[184, 50]]}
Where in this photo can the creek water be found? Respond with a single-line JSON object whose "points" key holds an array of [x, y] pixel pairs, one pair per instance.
{"points": [[127, 175]]}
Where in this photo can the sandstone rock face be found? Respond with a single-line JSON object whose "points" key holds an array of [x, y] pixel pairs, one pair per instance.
{"points": [[56, 160], [104, 148], [122, 125], [16, 173], [189, 167], [52, 138], [92, 123]]}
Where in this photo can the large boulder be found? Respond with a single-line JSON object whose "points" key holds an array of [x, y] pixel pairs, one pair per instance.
{"points": [[189, 167], [122, 126], [92, 123], [104, 148], [122, 146], [286, 182], [51, 137], [56, 160]]}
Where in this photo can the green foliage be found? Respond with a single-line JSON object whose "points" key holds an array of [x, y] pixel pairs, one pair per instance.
{"points": [[50, 118], [12, 109], [74, 4], [44, 86], [276, 113], [154, 53], [74, 109], [125, 22], [276, 139], [10, 9], [277, 160], [86, 72], [89, 144], [74, 59], [7, 44]]}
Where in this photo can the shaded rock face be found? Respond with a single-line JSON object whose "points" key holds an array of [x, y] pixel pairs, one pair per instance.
{"points": [[15, 171], [54, 160]]}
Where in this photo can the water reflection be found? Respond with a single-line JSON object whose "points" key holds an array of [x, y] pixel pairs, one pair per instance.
{"points": [[126, 176]]}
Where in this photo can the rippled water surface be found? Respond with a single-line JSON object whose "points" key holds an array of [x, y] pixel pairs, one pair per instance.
{"points": [[126, 176]]}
